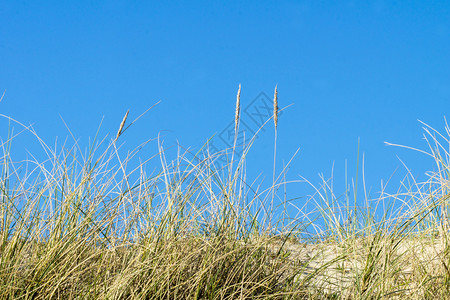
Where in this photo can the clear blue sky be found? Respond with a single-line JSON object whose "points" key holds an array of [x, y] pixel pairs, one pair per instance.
{"points": [[352, 69]]}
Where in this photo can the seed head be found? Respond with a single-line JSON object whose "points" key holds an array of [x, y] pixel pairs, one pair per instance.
{"points": [[238, 108], [275, 107], [122, 124]]}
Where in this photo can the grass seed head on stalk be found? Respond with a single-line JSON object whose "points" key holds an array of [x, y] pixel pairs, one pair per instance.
{"points": [[275, 107], [238, 108], [122, 124]]}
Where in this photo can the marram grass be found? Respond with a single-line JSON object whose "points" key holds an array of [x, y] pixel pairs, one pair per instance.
{"points": [[97, 226]]}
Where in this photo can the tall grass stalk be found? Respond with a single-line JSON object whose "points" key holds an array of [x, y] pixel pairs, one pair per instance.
{"points": [[275, 121]]}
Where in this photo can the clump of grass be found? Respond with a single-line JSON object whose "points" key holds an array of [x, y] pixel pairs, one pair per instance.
{"points": [[98, 226]]}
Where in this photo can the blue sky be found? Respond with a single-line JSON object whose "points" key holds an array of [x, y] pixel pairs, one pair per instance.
{"points": [[353, 70]]}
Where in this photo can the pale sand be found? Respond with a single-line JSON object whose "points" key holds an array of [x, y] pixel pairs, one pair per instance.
{"points": [[336, 267]]}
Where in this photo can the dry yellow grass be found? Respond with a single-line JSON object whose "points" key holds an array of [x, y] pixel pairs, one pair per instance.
{"points": [[80, 228]]}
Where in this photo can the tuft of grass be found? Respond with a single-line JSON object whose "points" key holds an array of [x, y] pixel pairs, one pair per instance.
{"points": [[99, 225]]}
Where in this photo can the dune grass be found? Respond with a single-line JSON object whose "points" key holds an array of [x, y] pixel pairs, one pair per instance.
{"points": [[95, 225]]}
